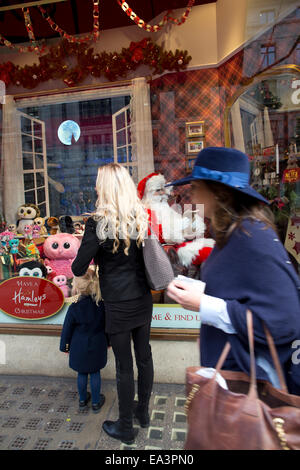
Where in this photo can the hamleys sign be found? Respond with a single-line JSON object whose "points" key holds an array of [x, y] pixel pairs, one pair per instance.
{"points": [[30, 298]]}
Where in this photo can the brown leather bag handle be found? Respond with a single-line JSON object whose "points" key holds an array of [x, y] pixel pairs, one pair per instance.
{"points": [[275, 358], [273, 351]]}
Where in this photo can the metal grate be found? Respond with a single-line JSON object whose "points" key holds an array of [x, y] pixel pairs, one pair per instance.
{"points": [[44, 407], [18, 443], [53, 393], [66, 445], [6, 405], [75, 427], [11, 422], [53, 425], [18, 391], [25, 405], [42, 444], [32, 424], [35, 392], [69, 395], [63, 409]]}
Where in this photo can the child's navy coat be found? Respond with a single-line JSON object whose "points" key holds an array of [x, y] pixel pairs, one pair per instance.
{"points": [[83, 335]]}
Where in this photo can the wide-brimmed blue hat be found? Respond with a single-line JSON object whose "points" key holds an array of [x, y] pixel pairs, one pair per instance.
{"points": [[223, 165]]}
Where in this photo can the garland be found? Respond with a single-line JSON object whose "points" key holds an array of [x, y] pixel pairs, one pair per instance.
{"points": [[153, 29], [56, 63], [40, 49]]}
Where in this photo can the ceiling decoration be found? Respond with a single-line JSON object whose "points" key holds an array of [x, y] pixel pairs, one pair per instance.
{"points": [[80, 21], [154, 28]]}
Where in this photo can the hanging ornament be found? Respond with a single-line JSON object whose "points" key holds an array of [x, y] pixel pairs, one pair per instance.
{"points": [[29, 29], [148, 27], [89, 37]]}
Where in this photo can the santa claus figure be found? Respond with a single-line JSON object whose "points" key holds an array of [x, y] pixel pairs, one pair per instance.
{"points": [[184, 231]]}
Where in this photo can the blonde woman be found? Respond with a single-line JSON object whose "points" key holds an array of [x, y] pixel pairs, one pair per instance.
{"points": [[83, 336], [113, 239]]}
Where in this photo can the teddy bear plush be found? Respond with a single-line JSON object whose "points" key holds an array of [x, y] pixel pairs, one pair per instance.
{"points": [[60, 250], [26, 215], [40, 221]]}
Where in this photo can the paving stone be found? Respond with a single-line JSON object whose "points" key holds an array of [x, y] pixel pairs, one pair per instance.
{"points": [[41, 413]]}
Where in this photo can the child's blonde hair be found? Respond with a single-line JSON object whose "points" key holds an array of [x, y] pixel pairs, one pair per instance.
{"points": [[88, 284]]}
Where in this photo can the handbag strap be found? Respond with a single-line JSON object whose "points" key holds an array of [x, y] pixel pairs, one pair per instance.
{"points": [[273, 352], [275, 358]]}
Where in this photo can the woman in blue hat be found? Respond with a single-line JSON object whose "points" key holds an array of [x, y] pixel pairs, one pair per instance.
{"points": [[248, 269]]}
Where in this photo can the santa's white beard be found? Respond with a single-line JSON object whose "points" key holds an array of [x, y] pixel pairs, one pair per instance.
{"points": [[172, 223]]}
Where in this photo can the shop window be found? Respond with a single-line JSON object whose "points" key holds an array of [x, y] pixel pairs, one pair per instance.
{"points": [[268, 55], [264, 122], [78, 139]]}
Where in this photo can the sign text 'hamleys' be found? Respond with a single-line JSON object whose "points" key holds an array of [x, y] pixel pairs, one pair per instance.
{"points": [[30, 298]]}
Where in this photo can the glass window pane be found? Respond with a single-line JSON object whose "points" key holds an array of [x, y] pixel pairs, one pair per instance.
{"points": [[40, 180], [37, 129], [26, 143], [120, 121], [38, 145], [122, 155], [26, 125], [28, 181], [41, 196], [27, 161], [121, 138], [30, 197], [39, 161]]}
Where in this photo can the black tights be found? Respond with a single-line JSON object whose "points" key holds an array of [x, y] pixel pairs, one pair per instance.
{"points": [[121, 345]]}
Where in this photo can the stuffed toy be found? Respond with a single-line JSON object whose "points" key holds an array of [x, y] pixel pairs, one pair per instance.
{"points": [[14, 246], [40, 221], [32, 268], [26, 215], [36, 231], [52, 224], [79, 228], [27, 231], [66, 224], [61, 282], [32, 251], [60, 250], [12, 228]]}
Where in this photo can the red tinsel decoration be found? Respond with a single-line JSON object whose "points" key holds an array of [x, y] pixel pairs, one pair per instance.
{"points": [[54, 65]]}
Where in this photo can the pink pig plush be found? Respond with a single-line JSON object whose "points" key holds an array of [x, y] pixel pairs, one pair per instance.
{"points": [[60, 250]]}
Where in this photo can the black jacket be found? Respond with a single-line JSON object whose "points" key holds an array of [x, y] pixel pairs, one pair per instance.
{"points": [[83, 336], [121, 277]]}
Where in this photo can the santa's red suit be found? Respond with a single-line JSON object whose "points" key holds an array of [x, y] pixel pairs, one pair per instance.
{"points": [[183, 231]]}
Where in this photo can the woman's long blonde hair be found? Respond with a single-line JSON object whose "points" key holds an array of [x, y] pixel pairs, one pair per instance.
{"points": [[120, 214], [88, 284]]}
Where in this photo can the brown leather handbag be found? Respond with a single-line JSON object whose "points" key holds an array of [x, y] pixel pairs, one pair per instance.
{"points": [[250, 415]]}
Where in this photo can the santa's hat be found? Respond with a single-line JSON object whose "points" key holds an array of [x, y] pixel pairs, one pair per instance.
{"points": [[152, 182]]}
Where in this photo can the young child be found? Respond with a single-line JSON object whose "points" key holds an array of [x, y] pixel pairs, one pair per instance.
{"points": [[83, 336]]}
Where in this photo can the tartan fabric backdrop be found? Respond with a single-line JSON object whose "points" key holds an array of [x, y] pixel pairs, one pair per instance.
{"points": [[177, 98]]}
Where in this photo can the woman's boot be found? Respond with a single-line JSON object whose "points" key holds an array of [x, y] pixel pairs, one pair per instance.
{"points": [[122, 429]]}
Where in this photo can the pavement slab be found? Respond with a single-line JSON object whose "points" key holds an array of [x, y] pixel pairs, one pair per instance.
{"points": [[41, 413]]}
